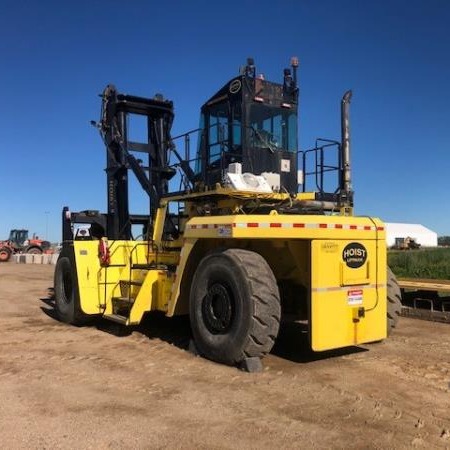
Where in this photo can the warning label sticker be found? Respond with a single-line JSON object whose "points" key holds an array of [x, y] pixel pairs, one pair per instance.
{"points": [[355, 297], [224, 230]]}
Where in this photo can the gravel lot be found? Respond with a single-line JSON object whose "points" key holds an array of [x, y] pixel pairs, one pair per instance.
{"points": [[104, 386]]}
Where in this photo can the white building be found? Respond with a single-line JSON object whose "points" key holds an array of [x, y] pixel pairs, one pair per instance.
{"points": [[423, 236]]}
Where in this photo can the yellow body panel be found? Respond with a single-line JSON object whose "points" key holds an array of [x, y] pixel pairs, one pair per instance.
{"points": [[153, 295], [97, 285], [348, 305], [276, 226], [158, 227], [175, 290], [91, 282]]}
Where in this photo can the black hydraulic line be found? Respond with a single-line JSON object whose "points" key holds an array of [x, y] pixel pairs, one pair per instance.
{"points": [[140, 174]]}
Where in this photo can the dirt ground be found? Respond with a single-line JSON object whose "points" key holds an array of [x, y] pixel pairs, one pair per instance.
{"points": [[102, 387]]}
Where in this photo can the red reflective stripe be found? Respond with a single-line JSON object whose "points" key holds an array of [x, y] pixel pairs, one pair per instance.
{"points": [[338, 226]]}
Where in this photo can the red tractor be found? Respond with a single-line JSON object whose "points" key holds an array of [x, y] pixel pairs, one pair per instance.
{"points": [[18, 242]]}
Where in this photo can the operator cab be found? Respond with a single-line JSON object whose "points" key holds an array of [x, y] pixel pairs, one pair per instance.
{"points": [[252, 122], [18, 236]]}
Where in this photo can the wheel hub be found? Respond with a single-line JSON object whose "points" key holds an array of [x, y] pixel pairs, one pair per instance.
{"points": [[217, 309]]}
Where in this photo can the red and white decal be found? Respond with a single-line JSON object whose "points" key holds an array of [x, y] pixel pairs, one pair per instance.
{"points": [[204, 226], [355, 297], [330, 226]]}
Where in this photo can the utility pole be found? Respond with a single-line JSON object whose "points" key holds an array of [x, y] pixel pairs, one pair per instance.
{"points": [[46, 224]]}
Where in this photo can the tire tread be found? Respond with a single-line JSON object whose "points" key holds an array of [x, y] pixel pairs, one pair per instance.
{"points": [[266, 297], [394, 302], [255, 332]]}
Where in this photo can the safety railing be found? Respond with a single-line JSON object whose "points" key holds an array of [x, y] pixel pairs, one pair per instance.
{"points": [[321, 166]]}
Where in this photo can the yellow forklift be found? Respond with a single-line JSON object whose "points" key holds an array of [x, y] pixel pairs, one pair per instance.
{"points": [[255, 231]]}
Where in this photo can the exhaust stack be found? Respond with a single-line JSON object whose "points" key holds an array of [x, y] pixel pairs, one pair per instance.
{"points": [[346, 180], [294, 65]]}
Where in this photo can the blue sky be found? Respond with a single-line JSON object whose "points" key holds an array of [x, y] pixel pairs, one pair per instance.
{"points": [[57, 56]]}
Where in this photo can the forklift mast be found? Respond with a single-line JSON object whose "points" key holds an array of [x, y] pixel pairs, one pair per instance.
{"points": [[153, 175]]}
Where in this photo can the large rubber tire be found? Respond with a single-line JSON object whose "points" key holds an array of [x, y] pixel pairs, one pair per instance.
{"points": [[234, 306], [67, 299], [394, 301], [5, 254], [34, 251]]}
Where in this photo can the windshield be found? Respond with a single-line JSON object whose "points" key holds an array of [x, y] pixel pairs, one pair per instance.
{"points": [[273, 128]]}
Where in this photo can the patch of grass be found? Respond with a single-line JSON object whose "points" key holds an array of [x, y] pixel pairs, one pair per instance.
{"points": [[424, 263]]}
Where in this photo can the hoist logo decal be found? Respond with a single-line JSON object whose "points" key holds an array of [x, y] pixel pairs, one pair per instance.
{"points": [[235, 86], [354, 255]]}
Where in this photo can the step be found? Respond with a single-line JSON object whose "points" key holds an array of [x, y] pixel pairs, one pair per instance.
{"points": [[116, 318], [123, 301], [128, 288], [129, 300], [122, 305], [131, 283], [143, 266]]}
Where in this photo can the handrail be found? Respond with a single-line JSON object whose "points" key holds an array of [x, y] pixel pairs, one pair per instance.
{"points": [[147, 243], [320, 166]]}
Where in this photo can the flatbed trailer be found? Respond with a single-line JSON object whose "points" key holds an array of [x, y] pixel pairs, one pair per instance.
{"points": [[421, 299], [424, 284]]}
